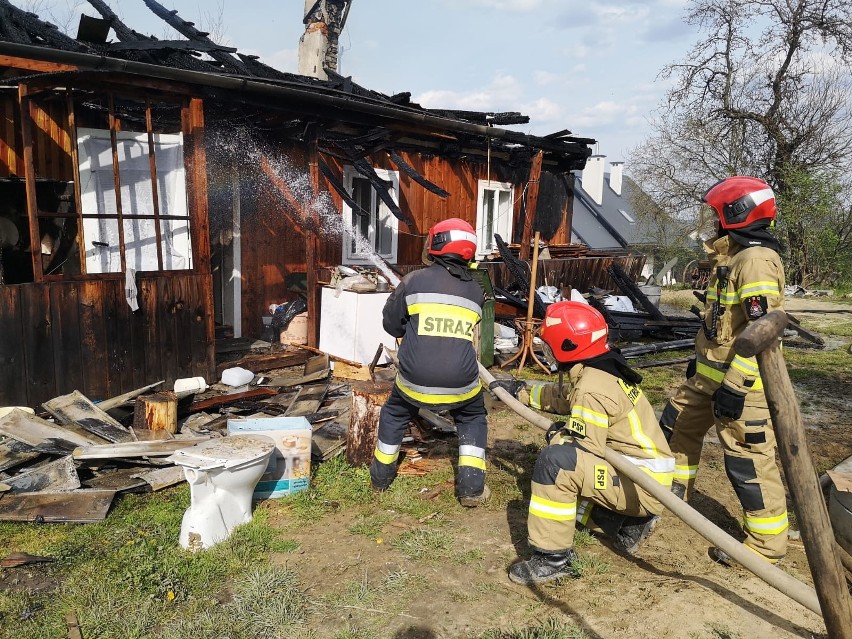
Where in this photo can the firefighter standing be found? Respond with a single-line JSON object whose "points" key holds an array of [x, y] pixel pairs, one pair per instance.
{"points": [[435, 310], [571, 481], [725, 389]]}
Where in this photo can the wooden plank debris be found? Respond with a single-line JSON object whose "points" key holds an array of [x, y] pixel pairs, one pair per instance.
{"points": [[76, 408], [162, 477], [35, 431], [316, 368], [15, 559], [317, 351], [56, 475], [343, 370], [75, 506], [14, 453], [224, 400], [125, 398], [73, 625], [262, 363], [118, 479], [307, 401], [136, 449]]}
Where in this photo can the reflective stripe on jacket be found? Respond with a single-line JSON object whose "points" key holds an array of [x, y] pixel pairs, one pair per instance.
{"points": [[754, 286], [435, 314]]}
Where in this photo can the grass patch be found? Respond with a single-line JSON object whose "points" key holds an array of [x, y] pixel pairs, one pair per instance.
{"points": [[369, 525], [549, 629], [587, 564], [334, 485], [127, 575], [584, 539], [423, 543]]}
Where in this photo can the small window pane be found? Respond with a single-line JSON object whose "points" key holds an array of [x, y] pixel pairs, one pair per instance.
{"points": [[102, 247], [140, 244], [177, 244]]}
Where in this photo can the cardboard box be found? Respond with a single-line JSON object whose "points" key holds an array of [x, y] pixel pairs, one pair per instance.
{"points": [[297, 330], [289, 469]]}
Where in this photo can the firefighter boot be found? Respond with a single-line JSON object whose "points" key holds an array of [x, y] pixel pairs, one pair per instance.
{"points": [[543, 567], [634, 531], [476, 500], [678, 489], [608, 521]]}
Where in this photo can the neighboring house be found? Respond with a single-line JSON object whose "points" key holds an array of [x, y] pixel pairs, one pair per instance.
{"points": [[603, 215], [213, 182]]}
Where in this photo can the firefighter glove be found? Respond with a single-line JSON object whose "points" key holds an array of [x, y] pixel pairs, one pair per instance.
{"points": [[512, 386], [728, 402], [555, 429], [690, 368]]}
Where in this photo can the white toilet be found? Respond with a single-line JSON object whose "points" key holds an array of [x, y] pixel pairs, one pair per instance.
{"points": [[222, 474]]}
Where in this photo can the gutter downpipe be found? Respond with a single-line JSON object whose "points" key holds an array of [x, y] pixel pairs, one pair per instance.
{"points": [[797, 591]]}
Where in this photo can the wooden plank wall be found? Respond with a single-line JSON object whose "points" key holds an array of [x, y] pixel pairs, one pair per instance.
{"points": [[274, 247], [64, 336], [51, 140]]}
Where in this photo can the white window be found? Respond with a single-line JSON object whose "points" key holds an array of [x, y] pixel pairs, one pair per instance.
{"points": [[140, 221], [493, 215], [373, 233], [626, 216]]}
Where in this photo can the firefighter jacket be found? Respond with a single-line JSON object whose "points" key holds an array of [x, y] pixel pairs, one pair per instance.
{"points": [[435, 314], [605, 411], [746, 283]]}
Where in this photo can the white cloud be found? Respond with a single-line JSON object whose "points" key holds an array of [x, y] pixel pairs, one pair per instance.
{"points": [[503, 93]]}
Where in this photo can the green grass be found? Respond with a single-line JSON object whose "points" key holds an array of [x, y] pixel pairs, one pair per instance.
{"points": [[425, 543], [551, 628], [127, 576]]}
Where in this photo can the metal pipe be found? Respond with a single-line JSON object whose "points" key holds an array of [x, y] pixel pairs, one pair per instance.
{"points": [[775, 577]]}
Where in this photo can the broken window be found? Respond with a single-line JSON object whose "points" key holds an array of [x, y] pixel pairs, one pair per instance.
{"points": [[493, 214], [155, 237], [372, 230]]}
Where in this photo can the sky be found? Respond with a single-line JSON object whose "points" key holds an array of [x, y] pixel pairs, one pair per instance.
{"points": [[588, 66]]}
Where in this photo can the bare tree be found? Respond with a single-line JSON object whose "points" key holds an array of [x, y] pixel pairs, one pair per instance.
{"points": [[765, 91]]}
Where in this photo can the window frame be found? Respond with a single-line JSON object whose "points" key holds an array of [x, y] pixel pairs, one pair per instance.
{"points": [[377, 206], [89, 199], [504, 227]]}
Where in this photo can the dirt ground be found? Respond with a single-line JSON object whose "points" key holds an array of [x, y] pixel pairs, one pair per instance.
{"points": [[671, 589]]}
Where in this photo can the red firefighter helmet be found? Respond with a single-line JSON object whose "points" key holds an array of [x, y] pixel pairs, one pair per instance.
{"points": [[740, 201], [452, 236], [574, 331]]}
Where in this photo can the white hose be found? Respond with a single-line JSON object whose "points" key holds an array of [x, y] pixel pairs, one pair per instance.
{"points": [[775, 577]]}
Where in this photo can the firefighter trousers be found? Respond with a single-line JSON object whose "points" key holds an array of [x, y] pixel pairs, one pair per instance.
{"points": [[470, 421], [748, 445], [567, 482]]}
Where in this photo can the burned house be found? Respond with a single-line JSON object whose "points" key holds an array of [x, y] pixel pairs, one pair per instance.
{"points": [[152, 189]]}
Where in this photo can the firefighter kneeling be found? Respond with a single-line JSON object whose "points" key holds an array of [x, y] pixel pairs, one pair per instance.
{"points": [[571, 481]]}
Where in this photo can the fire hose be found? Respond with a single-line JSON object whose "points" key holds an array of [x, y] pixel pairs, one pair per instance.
{"points": [[798, 591]]}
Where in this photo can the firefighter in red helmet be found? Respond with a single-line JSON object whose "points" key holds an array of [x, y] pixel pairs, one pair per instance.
{"points": [[724, 389], [435, 310], [572, 482]]}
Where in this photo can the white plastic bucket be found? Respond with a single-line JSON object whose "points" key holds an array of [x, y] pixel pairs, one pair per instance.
{"points": [[190, 385]]}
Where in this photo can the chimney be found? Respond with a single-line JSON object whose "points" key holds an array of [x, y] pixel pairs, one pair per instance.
{"points": [[593, 178], [616, 173], [318, 49]]}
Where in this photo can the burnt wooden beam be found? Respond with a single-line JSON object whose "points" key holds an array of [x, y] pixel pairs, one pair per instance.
{"points": [[312, 247], [188, 30], [409, 170], [27, 118], [338, 186], [530, 204], [177, 45]]}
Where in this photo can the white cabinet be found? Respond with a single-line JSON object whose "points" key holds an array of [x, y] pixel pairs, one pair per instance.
{"points": [[351, 325]]}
